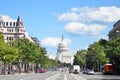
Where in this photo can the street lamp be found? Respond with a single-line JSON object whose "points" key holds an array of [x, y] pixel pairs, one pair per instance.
{"points": [[20, 60], [118, 33], [4, 65]]}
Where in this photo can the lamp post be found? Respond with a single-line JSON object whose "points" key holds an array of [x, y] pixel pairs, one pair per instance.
{"points": [[20, 60], [4, 65]]}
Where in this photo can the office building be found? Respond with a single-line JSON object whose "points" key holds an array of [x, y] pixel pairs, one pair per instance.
{"points": [[12, 29]]}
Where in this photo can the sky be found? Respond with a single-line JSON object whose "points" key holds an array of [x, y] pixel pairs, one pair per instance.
{"points": [[82, 22]]}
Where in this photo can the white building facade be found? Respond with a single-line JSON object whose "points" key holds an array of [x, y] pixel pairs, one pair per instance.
{"points": [[12, 29], [63, 54]]}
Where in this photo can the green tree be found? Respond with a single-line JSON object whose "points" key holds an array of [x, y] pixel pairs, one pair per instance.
{"points": [[44, 58], [80, 58], [113, 53], [28, 51], [113, 49], [3, 47], [6, 51], [96, 55]]}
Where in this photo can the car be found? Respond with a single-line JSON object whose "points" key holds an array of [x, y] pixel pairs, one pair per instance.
{"points": [[70, 70], [90, 72], [85, 71], [42, 70]]}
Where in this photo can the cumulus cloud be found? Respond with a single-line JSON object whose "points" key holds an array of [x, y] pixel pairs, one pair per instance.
{"points": [[53, 42], [52, 56], [87, 14], [82, 29]]}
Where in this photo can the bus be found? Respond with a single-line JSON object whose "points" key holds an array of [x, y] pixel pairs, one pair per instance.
{"points": [[108, 69]]}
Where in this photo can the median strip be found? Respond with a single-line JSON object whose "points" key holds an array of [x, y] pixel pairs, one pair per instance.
{"points": [[65, 77]]}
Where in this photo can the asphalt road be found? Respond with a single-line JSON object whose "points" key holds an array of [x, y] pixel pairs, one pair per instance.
{"points": [[54, 75]]}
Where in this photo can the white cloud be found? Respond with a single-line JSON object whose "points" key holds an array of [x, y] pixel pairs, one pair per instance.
{"points": [[52, 56], [86, 14], [102, 37], [69, 17], [53, 42], [82, 29]]}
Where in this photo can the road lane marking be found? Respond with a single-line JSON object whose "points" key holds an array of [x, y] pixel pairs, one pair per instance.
{"points": [[77, 77], [52, 77], [65, 77]]}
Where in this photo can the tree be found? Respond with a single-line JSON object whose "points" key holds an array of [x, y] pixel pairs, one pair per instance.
{"points": [[113, 48], [6, 51], [28, 51], [3, 47], [113, 53], [80, 58], [96, 55], [44, 58], [103, 42]]}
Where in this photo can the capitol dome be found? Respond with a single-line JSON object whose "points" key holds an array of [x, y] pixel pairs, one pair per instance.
{"points": [[63, 53], [62, 46]]}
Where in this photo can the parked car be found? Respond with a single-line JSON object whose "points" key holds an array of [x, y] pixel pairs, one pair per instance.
{"points": [[42, 70], [90, 72]]}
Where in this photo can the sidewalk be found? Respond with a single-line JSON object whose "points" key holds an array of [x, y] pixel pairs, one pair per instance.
{"points": [[17, 74], [24, 73]]}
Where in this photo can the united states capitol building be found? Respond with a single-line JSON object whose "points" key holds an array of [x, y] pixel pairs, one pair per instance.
{"points": [[63, 53]]}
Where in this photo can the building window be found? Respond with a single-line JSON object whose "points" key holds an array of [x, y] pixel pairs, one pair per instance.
{"points": [[6, 23], [18, 30], [7, 38], [12, 30], [10, 38], [8, 30], [24, 35], [13, 23], [10, 23]]}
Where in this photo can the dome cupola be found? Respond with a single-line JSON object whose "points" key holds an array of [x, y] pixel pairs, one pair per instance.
{"points": [[62, 46]]}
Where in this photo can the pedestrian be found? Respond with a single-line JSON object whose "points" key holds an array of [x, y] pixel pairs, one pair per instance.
{"points": [[14, 69]]}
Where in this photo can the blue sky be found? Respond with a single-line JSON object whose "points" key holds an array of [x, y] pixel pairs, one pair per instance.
{"points": [[82, 22]]}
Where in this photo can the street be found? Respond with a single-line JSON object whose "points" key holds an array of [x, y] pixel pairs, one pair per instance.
{"points": [[57, 75]]}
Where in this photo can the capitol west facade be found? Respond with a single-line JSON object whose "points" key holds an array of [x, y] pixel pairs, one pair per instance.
{"points": [[63, 54]]}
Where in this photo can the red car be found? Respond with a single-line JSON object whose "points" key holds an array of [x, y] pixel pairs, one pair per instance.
{"points": [[42, 70]]}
